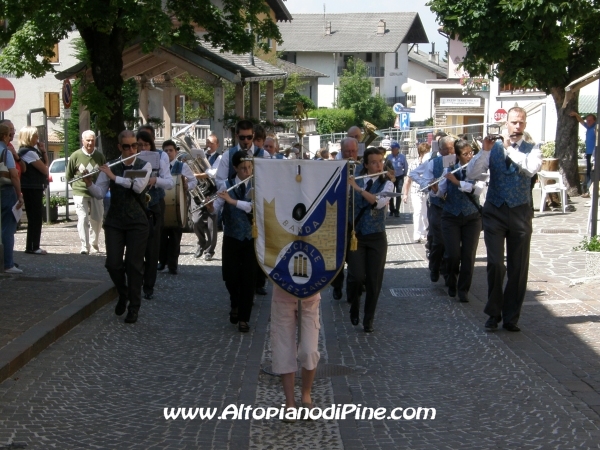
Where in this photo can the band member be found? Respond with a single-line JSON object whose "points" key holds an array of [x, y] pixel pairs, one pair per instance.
{"points": [[366, 264], [205, 222], [170, 241], [507, 216], [244, 131], [461, 222], [159, 181], [90, 210], [424, 175], [239, 259], [126, 225], [349, 151], [400, 165]]}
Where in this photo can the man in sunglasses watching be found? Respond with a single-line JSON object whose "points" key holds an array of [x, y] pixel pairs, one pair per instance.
{"points": [[244, 131]]}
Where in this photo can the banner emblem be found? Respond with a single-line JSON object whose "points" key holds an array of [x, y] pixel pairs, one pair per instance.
{"points": [[301, 216]]}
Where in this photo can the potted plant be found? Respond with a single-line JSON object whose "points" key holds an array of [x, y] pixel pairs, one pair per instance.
{"points": [[55, 202], [591, 247], [549, 162]]}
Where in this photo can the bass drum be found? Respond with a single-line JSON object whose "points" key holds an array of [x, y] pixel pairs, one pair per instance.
{"points": [[176, 205]]}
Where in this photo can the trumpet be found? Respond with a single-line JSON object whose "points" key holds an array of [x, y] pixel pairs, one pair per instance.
{"points": [[95, 171], [212, 198], [442, 177]]}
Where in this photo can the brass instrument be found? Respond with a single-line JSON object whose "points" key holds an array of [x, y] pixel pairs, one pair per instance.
{"points": [[370, 134], [199, 164]]}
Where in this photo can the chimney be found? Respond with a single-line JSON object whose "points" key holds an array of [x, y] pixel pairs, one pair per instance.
{"points": [[328, 28], [381, 27], [417, 49], [437, 58]]}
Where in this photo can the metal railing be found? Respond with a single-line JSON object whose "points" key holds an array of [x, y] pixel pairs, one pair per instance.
{"points": [[372, 71]]}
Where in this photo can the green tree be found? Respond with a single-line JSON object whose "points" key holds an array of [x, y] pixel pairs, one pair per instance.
{"points": [[355, 93], [32, 28], [529, 43]]}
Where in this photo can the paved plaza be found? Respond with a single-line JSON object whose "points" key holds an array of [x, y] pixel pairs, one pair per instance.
{"points": [[105, 384]]}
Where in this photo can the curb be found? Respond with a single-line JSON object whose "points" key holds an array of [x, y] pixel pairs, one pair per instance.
{"points": [[28, 345]]}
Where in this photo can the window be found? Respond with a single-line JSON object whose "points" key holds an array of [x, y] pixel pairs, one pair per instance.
{"points": [[396, 60], [369, 57], [52, 104], [411, 98], [54, 59]]}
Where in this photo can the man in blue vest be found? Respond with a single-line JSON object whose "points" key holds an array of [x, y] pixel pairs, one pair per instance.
{"points": [[507, 216], [424, 175]]}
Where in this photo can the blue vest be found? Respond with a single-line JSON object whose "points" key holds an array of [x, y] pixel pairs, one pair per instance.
{"points": [[176, 168], [236, 223], [438, 170], [508, 185], [156, 193], [279, 156], [258, 153], [212, 158], [457, 202], [372, 220]]}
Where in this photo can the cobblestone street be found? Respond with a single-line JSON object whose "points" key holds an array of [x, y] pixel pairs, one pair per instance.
{"points": [[105, 384]]}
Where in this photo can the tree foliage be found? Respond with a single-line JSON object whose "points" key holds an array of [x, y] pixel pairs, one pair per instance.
{"points": [[107, 27], [355, 93], [287, 105], [532, 44], [333, 120]]}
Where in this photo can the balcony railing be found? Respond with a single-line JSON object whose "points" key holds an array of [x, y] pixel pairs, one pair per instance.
{"points": [[373, 72]]}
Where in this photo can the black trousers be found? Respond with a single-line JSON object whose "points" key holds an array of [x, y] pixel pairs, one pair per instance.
{"points": [[512, 225], [436, 251], [461, 238], [205, 229], [153, 248], [170, 247], [365, 266], [126, 273], [239, 273], [34, 208], [395, 201]]}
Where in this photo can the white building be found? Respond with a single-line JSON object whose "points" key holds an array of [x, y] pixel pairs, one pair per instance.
{"points": [[325, 44], [423, 68]]}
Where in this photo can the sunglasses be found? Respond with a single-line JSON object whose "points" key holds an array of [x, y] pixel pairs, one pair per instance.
{"points": [[245, 137], [129, 146]]}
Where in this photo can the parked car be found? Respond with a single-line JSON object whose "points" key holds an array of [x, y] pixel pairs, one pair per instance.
{"points": [[57, 178]]}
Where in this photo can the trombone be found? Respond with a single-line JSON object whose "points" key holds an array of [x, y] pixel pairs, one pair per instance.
{"points": [[95, 171]]}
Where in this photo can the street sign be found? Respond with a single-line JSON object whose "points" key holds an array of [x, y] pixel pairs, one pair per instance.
{"points": [[399, 109], [67, 113], [404, 121], [67, 94], [7, 95], [500, 115]]}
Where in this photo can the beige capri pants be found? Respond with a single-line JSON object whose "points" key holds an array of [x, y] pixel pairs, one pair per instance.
{"points": [[284, 321]]}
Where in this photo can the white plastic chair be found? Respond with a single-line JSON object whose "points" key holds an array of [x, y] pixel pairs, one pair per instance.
{"points": [[558, 187]]}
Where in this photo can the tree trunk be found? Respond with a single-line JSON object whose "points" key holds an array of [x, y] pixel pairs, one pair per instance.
{"points": [[567, 133], [106, 57]]}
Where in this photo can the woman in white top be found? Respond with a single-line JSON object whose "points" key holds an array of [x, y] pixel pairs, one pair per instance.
{"points": [[418, 199]]}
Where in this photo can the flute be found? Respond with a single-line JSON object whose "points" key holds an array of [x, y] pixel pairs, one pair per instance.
{"points": [[95, 171], [371, 175], [216, 196], [442, 177]]}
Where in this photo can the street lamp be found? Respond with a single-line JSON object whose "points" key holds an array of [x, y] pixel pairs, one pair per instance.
{"points": [[406, 88]]}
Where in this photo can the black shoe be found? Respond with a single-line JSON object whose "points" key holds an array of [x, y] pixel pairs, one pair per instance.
{"points": [[447, 281], [260, 291], [160, 267], [396, 214], [463, 297], [243, 327], [131, 317], [121, 307], [452, 291], [199, 252], [391, 213], [337, 294], [233, 316], [510, 327], [173, 271], [434, 276], [148, 296], [492, 323], [369, 328], [354, 319]]}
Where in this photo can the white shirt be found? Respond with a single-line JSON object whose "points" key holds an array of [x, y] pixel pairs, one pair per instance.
{"points": [[387, 187], [241, 204], [164, 179], [423, 175], [223, 170], [189, 176], [465, 186], [30, 156], [212, 172], [528, 163], [100, 187]]}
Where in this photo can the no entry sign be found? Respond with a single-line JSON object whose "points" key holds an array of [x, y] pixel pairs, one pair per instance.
{"points": [[67, 94], [7, 95]]}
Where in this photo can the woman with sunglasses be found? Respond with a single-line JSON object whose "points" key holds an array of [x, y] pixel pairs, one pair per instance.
{"points": [[461, 222]]}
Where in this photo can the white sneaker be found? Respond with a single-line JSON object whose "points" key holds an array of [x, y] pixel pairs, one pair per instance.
{"points": [[13, 269], [83, 251]]}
